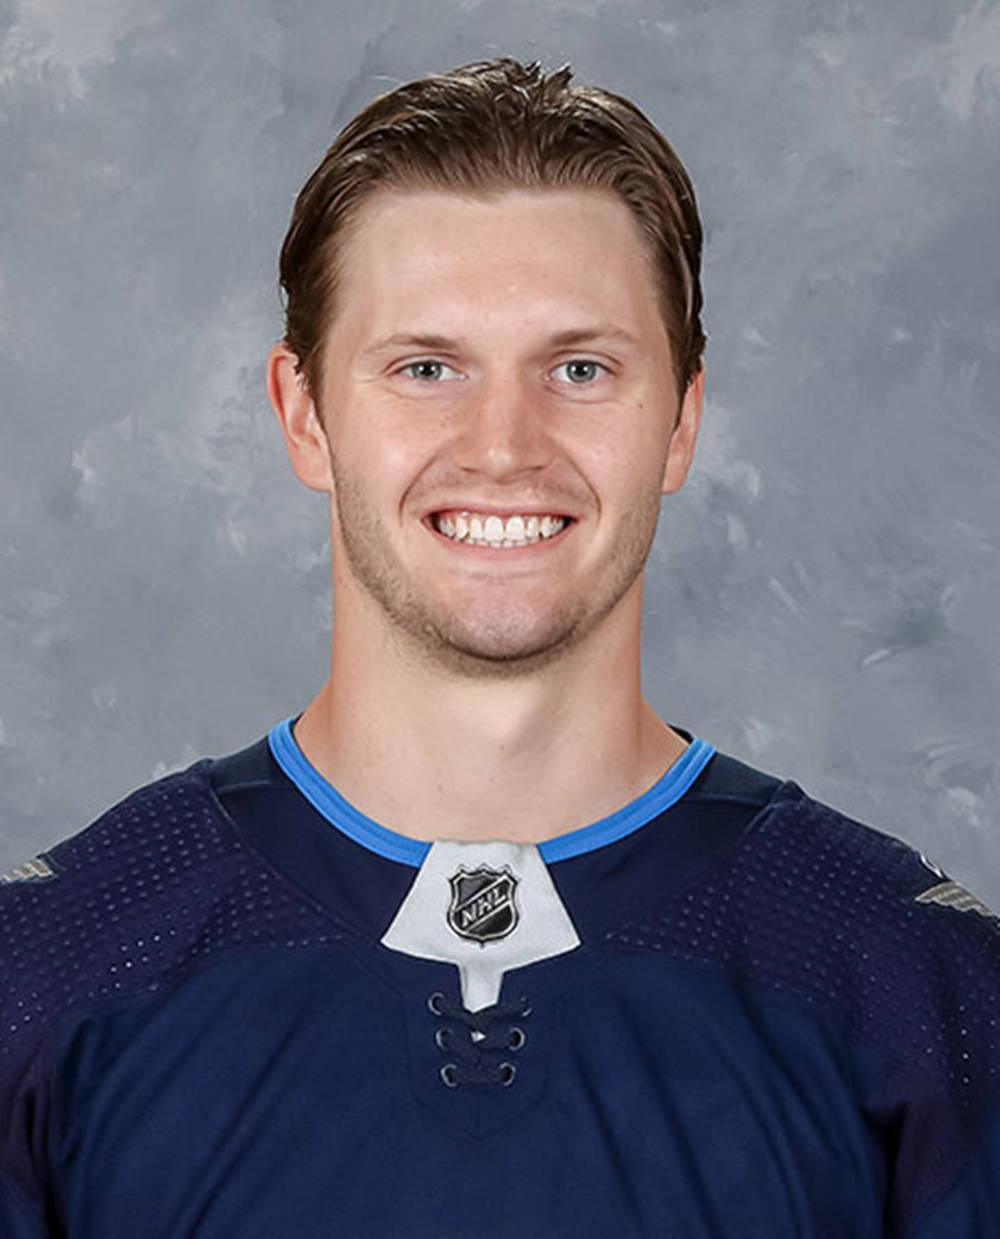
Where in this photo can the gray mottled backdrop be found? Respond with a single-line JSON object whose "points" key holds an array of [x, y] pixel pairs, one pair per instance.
{"points": [[824, 593]]}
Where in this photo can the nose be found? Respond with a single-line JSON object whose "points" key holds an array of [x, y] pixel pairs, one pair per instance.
{"points": [[503, 430]]}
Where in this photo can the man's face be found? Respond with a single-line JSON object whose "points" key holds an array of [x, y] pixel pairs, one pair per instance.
{"points": [[460, 414]]}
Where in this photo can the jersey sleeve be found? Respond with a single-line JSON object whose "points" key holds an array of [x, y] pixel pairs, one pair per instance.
{"points": [[23, 1119], [943, 1106], [20, 1218], [25, 1078], [970, 1208], [905, 964]]}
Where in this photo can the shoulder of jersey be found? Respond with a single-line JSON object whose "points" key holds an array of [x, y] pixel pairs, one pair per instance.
{"points": [[157, 883], [839, 916]]}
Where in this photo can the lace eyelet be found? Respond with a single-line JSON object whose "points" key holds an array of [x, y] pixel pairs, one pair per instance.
{"points": [[516, 1039], [507, 1073], [443, 1038], [432, 1003], [447, 1074]]}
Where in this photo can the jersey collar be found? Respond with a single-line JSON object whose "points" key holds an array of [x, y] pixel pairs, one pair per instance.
{"points": [[392, 845]]}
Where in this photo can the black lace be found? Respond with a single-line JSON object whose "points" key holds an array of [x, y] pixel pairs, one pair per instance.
{"points": [[476, 1043]]}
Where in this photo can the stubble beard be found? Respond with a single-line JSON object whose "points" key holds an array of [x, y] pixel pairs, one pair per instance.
{"points": [[495, 646]]}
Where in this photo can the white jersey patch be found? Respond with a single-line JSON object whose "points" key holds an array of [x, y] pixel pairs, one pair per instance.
{"points": [[34, 870], [487, 908], [950, 895]]}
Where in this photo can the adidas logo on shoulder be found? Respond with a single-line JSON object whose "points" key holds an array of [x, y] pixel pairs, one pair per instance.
{"points": [[950, 895], [34, 870]]}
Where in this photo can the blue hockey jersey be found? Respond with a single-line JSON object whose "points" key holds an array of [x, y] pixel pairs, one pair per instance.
{"points": [[234, 1007]]}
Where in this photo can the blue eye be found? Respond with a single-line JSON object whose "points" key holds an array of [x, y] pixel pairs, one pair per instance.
{"points": [[581, 370], [578, 363], [425, 364]]}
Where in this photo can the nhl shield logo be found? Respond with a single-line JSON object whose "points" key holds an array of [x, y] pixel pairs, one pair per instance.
{"points": [[482, 903]]}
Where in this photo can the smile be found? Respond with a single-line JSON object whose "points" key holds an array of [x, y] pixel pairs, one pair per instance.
{"points": [[482, 529]]}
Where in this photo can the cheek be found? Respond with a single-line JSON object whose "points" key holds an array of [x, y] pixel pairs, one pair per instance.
{"points": [[374, 452], [625, 467]]}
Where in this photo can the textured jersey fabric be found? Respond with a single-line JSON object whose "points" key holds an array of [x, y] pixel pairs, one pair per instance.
{"points": [[761, 1019]]}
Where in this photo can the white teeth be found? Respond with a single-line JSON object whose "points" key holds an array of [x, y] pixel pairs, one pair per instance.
{"points": [[492, 530]]}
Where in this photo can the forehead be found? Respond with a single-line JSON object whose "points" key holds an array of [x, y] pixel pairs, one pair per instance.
{"points": [[485, 260]]}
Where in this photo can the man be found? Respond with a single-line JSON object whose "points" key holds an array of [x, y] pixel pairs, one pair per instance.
{"points": [[477, 945]]}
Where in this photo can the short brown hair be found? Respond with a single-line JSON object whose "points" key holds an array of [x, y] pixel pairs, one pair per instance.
{"points": [[482, 128]]}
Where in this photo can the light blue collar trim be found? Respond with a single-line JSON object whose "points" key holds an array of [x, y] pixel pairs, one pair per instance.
{"points": [[327, 801]]}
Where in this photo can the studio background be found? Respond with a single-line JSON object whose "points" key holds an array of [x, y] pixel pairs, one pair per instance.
{"points": [[822, 598]]}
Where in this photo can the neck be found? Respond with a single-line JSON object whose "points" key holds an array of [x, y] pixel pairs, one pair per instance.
{"points": [[434, 756]]}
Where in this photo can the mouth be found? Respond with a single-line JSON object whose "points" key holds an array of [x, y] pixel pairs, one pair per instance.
{"points": [[498, 531]]}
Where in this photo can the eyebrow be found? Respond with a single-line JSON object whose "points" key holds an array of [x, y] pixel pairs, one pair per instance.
{"points": [[561, 339]]}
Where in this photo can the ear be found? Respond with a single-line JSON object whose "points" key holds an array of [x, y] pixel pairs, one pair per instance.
{"points": [[305, 439], [685, 433]]}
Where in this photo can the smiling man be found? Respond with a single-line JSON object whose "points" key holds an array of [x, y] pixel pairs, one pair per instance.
{"points": [[477, 944], [493, 502]]}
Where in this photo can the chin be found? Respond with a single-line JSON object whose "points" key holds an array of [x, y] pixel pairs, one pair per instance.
{"points": [[497, 649]]}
